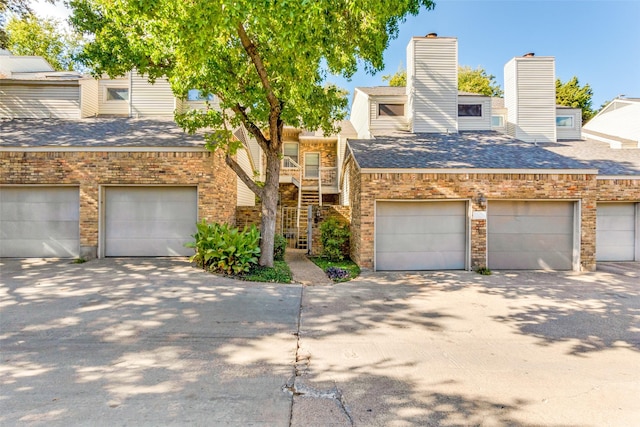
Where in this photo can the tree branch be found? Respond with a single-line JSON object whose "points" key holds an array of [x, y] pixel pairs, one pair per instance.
{"points": [[251, 127], [243, 176]]}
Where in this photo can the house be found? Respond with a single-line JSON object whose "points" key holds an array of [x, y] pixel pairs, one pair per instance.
{"points": [[617, 124], [445, 180], [98, 167]]}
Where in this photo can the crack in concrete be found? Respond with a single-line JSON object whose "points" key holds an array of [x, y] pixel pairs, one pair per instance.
{"points": [[296, 386]]}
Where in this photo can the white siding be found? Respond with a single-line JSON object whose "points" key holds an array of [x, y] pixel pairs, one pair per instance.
{"points": [[246, 197], [89, 97], [381, 125], [360, 114], [531, 98], [434, 79], [476, 123], [112, 108], [410, 91], [574, 132], [151, 100], [40, 100]]}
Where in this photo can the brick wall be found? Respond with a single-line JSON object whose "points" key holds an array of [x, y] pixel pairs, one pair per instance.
{"points": [[216, 182], [367, 188], [617, 190], [322, 213]]}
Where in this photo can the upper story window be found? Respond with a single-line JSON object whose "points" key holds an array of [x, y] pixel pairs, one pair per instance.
{"points": [[497, 121], [564, 121], [196, 95], [117, 94], [390, 110], [469, 110], [290, 149]]}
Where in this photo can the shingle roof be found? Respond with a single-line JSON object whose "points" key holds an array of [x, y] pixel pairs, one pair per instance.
{"points": [[599, 155], [100, 132], [384, 90], [466, 150]]}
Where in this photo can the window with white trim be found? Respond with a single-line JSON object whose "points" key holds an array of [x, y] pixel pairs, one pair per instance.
{"points": [[117, 94], [469, 110], [497, 121], [390, 110], [312, 165], [290, 149], [564, 121]]}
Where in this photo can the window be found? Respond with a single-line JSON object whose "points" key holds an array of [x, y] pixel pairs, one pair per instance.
{"points": [[564, 121], [312, 165], [290, 149], [117, 94], [469, 110], [390, 110], [196, 95], [497, 121]]}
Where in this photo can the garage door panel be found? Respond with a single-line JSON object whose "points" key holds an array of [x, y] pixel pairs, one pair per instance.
{"points": [[528, 235], [418, 225], [426, 243], [549, 224], [616, 234], [39, 222], [420, 235], [442, 260], [149, 221]]}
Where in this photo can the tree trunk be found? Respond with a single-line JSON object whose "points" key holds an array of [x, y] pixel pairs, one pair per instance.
{"points": [[269, 209]]}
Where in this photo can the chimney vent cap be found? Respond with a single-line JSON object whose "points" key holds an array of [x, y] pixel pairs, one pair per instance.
{"points": [[529, 55], [432, 35]]}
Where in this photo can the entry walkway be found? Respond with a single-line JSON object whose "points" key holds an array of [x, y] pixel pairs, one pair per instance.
{"points": [[304, 271]]}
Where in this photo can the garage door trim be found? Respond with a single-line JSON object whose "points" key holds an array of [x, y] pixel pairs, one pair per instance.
{"points": [[467, 224], [102, 224]]}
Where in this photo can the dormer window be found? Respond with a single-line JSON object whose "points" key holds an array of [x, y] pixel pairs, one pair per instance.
{"points": [[390, 110], [469, 110], [564, 121]]}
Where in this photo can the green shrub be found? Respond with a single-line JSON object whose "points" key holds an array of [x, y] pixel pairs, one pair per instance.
{"points": [[334, 236], [225, 249], [279, 247]]}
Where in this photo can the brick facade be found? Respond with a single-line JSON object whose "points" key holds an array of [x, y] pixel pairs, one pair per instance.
{"points": [[322, 213], [369, 187], [215, 181]]}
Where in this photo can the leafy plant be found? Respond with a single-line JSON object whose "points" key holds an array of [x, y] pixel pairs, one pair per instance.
{"points": [[347, 265], [225, 249], [279, 247], [334, 236], [337, 273], [279, 273], [484, 271]]}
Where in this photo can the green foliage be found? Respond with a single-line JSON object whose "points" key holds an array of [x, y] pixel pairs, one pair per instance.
{"points": [[266, 62], [485, 271], [571, 94], [224, 249], [79, 260], [334, 236], [279, 247], [477, 81], [279, 273], [345, 265], [44, 37], [399, 78]]}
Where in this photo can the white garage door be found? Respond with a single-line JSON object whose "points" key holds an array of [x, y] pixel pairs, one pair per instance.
{"points": [[530, 235], [149, 221], [39, 222], [617, 237], [421, 235]]}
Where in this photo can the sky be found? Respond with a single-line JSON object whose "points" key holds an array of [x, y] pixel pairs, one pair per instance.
{"points": [[596, 40]]}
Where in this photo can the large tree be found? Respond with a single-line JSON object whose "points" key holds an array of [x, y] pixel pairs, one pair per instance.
{"points": [[571, 94], [7, 8], [31, 35], [477, 81], [266, 61]]}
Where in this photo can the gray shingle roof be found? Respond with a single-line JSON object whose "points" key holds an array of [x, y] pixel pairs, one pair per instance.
{"points": [[384, 90], [599, 155], [99, 132], [466, 150]]}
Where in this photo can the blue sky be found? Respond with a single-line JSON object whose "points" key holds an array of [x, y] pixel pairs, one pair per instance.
{"points": [[596, 40]]}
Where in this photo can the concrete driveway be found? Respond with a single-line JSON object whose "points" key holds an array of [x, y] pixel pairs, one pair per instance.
{"points": [[156, 342]]}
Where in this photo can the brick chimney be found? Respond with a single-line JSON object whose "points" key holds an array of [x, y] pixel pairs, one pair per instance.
{"points": [[432, 84]]}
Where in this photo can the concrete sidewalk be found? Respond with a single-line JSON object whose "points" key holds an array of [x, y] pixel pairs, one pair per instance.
{"points": [[304, 271]]}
